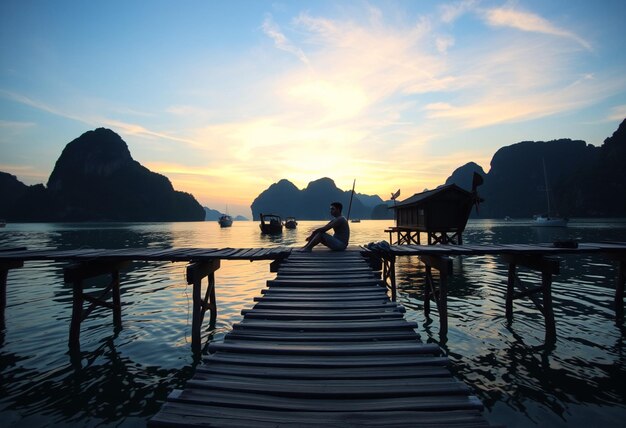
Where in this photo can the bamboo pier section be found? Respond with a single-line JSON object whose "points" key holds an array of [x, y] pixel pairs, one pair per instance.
{"points": [[323, 346]]}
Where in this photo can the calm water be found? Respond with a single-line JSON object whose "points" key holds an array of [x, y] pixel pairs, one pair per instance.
{"points": [[122, 378]]}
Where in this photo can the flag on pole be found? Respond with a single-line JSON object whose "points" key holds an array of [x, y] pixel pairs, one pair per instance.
{"points": [[394, 196]]}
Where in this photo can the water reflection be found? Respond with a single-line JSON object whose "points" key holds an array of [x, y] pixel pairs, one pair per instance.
{"points": [[122, 377]]}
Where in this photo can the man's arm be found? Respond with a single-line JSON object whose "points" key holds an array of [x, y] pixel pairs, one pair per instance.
{"points": [[325, 228]]}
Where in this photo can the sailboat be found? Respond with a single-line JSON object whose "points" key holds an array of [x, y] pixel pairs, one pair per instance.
{"points": [[547, 220], [225, 220]]}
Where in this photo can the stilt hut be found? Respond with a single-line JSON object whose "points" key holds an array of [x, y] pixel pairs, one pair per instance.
{"points": [[441, 213]]}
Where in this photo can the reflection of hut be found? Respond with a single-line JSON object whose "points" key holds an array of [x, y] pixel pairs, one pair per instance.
{"points": [[441, 213]]}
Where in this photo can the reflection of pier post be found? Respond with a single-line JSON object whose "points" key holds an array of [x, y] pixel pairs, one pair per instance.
{"points": [[5, 266], [618, 302], [195, 273]]}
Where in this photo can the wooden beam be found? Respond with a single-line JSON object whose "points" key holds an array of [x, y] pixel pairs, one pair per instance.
{"points": [[85, 270], [547, 266], [441, 263], [535, 262], [76, 274], [198, 270], [195, 273]]}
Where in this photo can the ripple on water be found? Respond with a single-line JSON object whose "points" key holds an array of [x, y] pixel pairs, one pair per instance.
{"points": [[122, 377]]}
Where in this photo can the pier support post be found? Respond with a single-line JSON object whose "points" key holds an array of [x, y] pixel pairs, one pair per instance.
{"points": [[4, 273], [619, 292], [440, 295], [618, 301], [77, 274], [389, 273], [547, 266], [195, 273]]}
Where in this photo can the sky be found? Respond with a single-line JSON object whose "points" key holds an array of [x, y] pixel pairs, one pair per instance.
{"points": [[227, 97]]}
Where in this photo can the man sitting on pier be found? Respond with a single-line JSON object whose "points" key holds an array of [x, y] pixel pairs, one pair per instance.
{"points": [[336, 242]]}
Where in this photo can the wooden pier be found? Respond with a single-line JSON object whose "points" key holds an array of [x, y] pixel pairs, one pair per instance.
{"points": [[539, 258], [84, 264], [323, 346]]}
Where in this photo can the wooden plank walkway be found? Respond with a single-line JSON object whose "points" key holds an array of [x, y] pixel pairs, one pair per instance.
{"points": [[323, 346], [91, 263]]}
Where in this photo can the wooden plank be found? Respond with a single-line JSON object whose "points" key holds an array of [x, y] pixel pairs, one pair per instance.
{"points": [[341, 336], [321, 325], [327, 290], [329, 278], [322, 283], [347, 373], [318, 298], [328, 305], [331, 388], [388, 348], [192, 414], [326, 361], [265, 401], [339, 316]]}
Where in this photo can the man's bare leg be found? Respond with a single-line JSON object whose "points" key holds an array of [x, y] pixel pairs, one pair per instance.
{"points": [[316, 239]]}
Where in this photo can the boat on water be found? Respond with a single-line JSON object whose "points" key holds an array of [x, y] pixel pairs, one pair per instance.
{"points": [[290, 223], [356, 220], [507, 218], [547, 221], [271, 224], [225, 220]]}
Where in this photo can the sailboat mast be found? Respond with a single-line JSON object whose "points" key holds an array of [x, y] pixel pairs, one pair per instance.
{"points": [[545, 177]]}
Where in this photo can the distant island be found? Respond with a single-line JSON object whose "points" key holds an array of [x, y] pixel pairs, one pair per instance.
{"points": [[311, 203], [214, 215], [583, 180], [96, 179]]}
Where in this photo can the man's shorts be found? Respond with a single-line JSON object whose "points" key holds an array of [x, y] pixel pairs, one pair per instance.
{"points": [[333, 243]]}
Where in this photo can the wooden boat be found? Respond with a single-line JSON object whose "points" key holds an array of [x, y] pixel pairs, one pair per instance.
{"points": [[225, 220], [356, 220], [271, 224], [290, 223]]}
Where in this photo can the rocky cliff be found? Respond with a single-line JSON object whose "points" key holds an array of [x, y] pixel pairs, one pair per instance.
{"points": [[96, 179], [311, 203]]}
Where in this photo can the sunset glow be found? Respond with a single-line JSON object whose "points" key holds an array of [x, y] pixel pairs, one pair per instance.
{"points": [[227, 98]]}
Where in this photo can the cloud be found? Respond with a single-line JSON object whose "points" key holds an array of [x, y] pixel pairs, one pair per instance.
{"points": [[526, 21], [451, 12], [280, 40], [94, 120], [13, 126], [617, 113]]}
